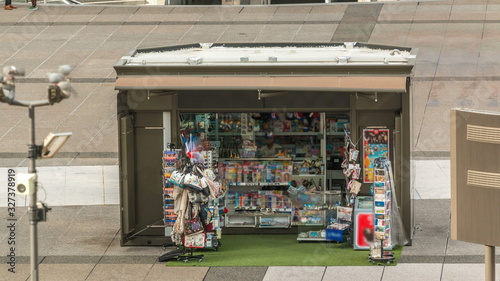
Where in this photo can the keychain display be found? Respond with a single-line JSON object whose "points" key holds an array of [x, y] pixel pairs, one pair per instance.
{"points": [[354, 186], [353, 154], [350, 167]]}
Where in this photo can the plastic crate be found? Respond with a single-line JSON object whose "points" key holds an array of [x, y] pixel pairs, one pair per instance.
{"points": [[335, 235]]}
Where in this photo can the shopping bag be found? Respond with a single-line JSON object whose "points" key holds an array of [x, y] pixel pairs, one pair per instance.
{"points": [[193, 225], [204, 186], [197, 197], [209, 174], [176, 178], [192, 183], [205, 215], [216, 189]]}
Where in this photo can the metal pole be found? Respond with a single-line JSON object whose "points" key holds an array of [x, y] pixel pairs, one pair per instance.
{"points": [[32, 206], [489, 262]]}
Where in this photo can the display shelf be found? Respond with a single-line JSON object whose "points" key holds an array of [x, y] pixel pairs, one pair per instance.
{"points": [[170, 159], [247, 208], [238, 214], [313, 235], [228, 134], [241, 220], [304, 158], [261, 134], [382, 205], [257, 159], [332, 192], [311, 239], [258, 184], [232, 134], [274, 221], [335, 133], [277, 213], [291, 134], [258, 196], [282, 210]]}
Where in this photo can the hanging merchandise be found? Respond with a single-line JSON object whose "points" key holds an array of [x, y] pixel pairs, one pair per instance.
{"points": [[354, 187], [353, 154], [197, 192], [192, 182], [351, 168], [193, 225]]}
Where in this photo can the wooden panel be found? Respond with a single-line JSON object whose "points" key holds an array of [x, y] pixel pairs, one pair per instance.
{"points": [[218, 100], [149, 182], [127, 176], [475, 168], [293, 83]]}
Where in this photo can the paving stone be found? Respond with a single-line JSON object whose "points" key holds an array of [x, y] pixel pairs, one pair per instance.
{"points": [[130, 272], [358, 273], [291, 273], [236, 273], [170, 273], [412, 272]]}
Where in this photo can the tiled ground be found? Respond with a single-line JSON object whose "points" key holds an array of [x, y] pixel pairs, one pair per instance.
{"points": [[457, 66], [99, 184], [81, 243], [457, 61]]}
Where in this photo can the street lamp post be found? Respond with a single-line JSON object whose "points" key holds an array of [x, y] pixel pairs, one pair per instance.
{"points": [[58, 90], [32, 209]]}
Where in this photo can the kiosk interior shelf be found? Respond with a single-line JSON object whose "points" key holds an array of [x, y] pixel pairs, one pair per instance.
{"points": [[258, 181]]}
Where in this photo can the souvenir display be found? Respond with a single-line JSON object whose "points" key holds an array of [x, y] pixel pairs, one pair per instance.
{"points": [[383, 217], [195, 194], [279, 190]]}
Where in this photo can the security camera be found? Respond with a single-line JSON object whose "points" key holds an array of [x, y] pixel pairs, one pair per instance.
{"points": [[26, 184]]}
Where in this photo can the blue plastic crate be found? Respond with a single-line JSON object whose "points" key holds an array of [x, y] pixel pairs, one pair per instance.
{"points": [[335, 235]]}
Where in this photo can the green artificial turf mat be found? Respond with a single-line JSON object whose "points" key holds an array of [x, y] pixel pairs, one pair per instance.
{"points": [[279, 250]]}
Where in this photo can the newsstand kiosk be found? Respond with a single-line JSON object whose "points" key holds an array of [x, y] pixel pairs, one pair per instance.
{"points": [[304, 101]]}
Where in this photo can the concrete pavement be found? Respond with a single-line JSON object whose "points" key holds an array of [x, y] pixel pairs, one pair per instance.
{"points": [[98, 185], [80, 240]]}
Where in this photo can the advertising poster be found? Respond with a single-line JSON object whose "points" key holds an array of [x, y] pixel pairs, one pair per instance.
{"points": [[375, 145]]}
